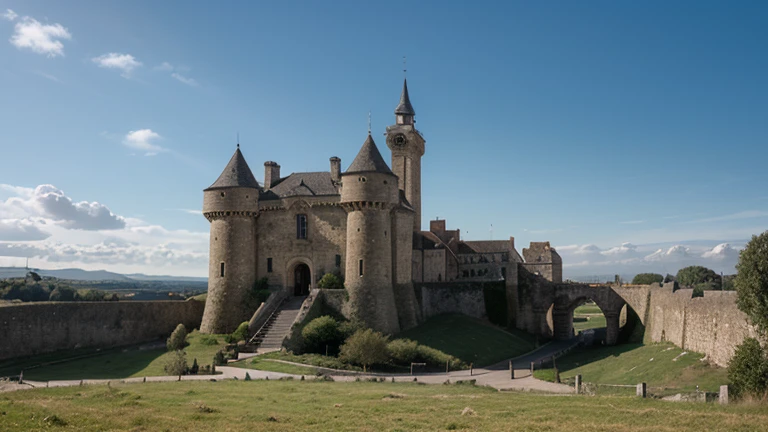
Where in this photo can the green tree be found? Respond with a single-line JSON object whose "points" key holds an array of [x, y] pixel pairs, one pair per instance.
{"points": [[752, 281], [176, 363], [330, 281], [241, 333], [322, 332], [63, 293], [697, 275], [748, 369], [178, 338], [257, 294], [647, 279], [365, 348]]}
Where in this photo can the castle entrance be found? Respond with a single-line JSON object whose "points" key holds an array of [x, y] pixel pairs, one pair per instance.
{"points": [[302, 279]]}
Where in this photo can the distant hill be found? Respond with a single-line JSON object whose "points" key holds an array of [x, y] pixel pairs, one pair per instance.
{"points": [[94, 275]]}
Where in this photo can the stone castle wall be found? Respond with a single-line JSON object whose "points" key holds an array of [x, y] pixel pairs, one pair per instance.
{"points": [[467, 299], [36, 328]]}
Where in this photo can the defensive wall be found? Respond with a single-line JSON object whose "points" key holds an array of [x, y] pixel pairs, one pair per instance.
{"points": [[36, 328]]}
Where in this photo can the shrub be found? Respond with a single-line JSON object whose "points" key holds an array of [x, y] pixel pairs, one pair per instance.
{"points": [[406, 351], [178, 338], [647, 279], [195, 368], [748, 369], [330, 281], [176, 363], [241, 333], [403, 351], [63, 294], [322, 332], [257, 294], [348, 328], [365, 347], [219, 359]]}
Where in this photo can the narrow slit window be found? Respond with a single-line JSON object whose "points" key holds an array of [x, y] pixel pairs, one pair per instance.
{"points": [[301, 226], [269, 265], [221, 271], [338, 260], [360, 266]]}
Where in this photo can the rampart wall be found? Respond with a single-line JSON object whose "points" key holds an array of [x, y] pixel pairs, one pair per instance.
{"points": [[467, 299], [35, 328]]}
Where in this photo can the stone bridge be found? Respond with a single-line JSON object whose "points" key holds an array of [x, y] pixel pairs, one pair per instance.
{"points": [[538, 297]]}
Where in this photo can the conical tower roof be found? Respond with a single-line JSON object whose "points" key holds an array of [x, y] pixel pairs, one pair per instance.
{"points": [[369, 159], [236, 174], [405, 107]]}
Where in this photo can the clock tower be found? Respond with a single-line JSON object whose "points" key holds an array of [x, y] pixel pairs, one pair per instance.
{"points": [[407, 147]]}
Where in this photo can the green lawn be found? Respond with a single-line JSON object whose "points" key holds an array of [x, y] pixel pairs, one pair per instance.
{"points": [[470, 339], [355, 406], [632, 363], [265, 364], [113, 363], [588, 316]]}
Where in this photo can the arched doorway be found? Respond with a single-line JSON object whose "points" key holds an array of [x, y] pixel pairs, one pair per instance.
{"points": [[302, 280]]}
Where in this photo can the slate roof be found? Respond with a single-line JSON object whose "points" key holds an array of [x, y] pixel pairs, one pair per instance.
{"points": [[369, 159], [483, 246], [236, 174], [303, 184], [405, 107]]}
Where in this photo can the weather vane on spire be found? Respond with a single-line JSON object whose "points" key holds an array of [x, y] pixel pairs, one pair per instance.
{"points": [[369, 122], [405, 68], [238, 140]]}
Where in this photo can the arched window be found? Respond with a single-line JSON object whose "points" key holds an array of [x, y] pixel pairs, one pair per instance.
{"points": [[301, 226]]}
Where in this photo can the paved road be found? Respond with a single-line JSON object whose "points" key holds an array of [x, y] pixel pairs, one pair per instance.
{"points": [[496, 376]]}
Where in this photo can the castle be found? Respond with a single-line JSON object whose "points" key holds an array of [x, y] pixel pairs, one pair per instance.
{"points": [[363, 223]]}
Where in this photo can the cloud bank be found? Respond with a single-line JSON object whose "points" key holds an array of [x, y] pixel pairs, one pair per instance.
{"points": [[40, 38]]}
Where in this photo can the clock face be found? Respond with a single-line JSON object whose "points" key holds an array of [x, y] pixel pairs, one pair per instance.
{"points": [[399, 140]]}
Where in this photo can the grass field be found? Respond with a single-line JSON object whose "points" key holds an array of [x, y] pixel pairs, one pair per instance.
{"points": [[266, 364], [591, 317], [113, 363], [470, 340], [661, 366], [312, 406]]}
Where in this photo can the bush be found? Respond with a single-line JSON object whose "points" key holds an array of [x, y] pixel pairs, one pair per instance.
{"points": [[178, 339], [348, 328], [748, 369], [322, 332], [195, 368], [647, 279], [219, 359], [62, 294], [406, 351], [258, 294], [241, 333], [330, 281], [365, 348], [176, 363]]}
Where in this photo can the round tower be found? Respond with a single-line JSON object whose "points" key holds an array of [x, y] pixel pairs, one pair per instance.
{"points": [[368, 194], [231, 205]]}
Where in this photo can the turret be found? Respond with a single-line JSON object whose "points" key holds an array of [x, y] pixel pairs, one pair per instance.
{"points": [[369, 193], [231, 205], [407, 147]]}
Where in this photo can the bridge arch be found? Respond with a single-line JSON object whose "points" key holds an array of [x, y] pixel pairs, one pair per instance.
{"points": [[567, 297]]}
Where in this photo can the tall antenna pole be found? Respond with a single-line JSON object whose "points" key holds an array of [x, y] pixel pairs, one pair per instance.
{"points": [[491, 231], [369, 122], [405, 68], [238, 140]]}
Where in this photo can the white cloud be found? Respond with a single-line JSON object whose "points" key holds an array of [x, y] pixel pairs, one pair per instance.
{"points": [[124, 62], [10, 15], [632, 222], [55, 232], [40, 38], [164, 66], [48, 76], [144, 140], [185, 80], [748, 214]]}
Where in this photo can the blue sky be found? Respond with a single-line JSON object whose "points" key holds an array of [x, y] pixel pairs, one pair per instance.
{"points": [[589, 125]]}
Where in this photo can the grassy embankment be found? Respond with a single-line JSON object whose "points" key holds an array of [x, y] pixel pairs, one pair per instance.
{"points": [[114, 363], [311, 406], [663, 367]]}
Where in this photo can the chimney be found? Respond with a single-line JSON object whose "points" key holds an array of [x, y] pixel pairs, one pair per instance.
{"points": [[335, 169], [271, 174], [437, 226]]}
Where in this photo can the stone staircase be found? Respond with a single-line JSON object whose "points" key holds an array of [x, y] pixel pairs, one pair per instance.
{"points": [[270, 337]]}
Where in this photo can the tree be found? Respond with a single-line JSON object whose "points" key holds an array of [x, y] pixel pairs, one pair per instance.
{"points": [[178, 338], [647, 279], [365, 348], [330, 281], [669, 278], [752, 281], [698, 276], [322, 332], [62, 293], [241, 333], [748, 369], [257, 294], [176, 363]]}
